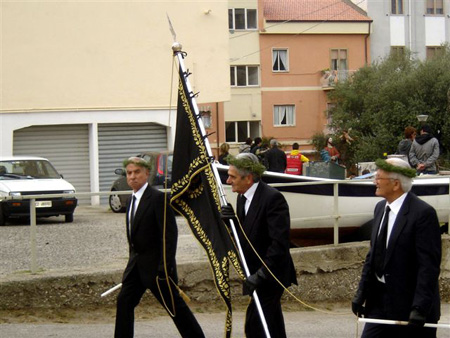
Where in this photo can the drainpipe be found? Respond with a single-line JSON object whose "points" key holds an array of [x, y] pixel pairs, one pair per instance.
{"points": [[366, 54], [410, 26]]}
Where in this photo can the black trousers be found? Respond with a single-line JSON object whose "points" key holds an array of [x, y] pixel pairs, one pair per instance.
{"points": [[270, 299], [130, 296], [379, 299]]}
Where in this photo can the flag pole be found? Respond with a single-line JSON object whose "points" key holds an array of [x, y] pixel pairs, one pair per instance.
{"points": [[176, 47]]}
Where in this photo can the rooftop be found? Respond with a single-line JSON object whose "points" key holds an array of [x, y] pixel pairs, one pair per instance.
{"points": [[313, 10]]}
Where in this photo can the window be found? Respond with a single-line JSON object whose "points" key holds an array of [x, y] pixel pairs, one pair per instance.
{"points": [[339, 59], [398, 50], [239, 131], [339, 66], [435, 6], [242, 19], [284, 115], [434, 51], [329, 112], [244, 76], [397, 6], [205, 113], [280, 62]]}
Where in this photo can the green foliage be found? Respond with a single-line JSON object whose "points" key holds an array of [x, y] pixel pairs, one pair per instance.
{"points": [[319, 141], [380, 100]]}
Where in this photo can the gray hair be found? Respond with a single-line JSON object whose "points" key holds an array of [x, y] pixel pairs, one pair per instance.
{"points": [[245, 172], [405, 182], [273, 142]]}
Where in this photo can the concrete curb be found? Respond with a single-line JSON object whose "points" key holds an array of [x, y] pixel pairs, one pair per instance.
{"points": [[325, 273]]}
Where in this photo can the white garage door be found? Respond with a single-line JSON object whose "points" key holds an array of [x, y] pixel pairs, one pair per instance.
{"points": [[67, 148], [117, 142]]}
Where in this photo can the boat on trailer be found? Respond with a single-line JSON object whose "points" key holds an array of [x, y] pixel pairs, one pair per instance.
{"points": [[320, 207]]}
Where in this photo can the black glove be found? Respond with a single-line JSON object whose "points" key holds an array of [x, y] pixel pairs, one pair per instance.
{"points": [[416, 318], [254, 281], [228, 213], [357, 304]]}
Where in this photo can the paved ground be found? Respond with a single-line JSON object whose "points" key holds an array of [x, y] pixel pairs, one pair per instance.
{"points": [[97, 238], [299, 324]]}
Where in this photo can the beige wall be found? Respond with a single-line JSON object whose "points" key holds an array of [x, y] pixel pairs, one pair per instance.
{"points": [[245, 102], [105, 54]]}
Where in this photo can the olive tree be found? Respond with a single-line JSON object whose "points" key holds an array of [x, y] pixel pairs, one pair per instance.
{"points": [[380, 100]]}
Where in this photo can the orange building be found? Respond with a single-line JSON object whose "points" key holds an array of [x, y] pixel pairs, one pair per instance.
{"points": [[306, 46]]}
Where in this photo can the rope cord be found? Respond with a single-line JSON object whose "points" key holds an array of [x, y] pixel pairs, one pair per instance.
{"points": [[278, 281]]}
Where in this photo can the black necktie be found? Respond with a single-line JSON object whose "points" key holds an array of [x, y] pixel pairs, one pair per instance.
{"points": [[133, 200], [380, 245], [241, 208]]}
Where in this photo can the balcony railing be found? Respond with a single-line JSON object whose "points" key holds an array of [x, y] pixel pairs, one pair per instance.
{"points": [[331, 77]]}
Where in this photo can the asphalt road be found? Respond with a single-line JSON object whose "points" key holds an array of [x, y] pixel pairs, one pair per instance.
{"points": [[299, 324], [96, 238]]}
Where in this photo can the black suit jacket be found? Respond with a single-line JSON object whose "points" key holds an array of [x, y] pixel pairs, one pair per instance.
{"points": [[412, 261], [276, 160], [146, 241], [267, 226]]}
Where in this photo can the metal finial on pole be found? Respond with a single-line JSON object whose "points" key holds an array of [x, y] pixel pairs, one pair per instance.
{"points": [[176, 46], [174, 35]]}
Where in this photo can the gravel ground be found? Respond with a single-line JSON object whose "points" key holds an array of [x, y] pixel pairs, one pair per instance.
{"points": [[96, 238]]}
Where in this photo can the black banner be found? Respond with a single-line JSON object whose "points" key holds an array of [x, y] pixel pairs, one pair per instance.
{"points": [[195, 196]]}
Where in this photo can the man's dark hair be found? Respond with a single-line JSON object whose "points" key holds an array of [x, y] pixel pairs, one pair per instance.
{"points": [[426, 129], [295, 146]]}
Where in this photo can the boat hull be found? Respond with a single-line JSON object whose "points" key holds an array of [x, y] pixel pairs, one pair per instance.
{"points": [[318, 206]]}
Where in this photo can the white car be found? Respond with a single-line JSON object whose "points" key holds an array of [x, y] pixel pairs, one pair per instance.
{"points": [[21, 176]]}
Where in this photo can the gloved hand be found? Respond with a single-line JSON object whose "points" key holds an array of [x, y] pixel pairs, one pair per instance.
{"points": [[227, 214], [254, 281], [416, 318], [357, 304]]}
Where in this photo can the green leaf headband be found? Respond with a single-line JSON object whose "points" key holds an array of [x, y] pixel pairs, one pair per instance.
{"points": [[246, 164], [383, 165]]}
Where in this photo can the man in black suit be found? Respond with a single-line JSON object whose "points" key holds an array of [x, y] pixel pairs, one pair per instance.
{"points": [[264, 215], [151, 264], [400, 275], [275, 158]]}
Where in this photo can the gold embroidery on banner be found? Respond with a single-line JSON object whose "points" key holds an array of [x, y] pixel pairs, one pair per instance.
{"points": [[191, 187]]}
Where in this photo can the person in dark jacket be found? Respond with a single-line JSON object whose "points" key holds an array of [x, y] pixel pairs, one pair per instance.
{"points": [[424, 152], [151, 264], [264, 215], [275, 158], [223, 153], [405, 145], [400, 277]]}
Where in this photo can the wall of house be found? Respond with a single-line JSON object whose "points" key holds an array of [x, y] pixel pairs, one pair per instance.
{"points": [[245, 102], [413, 29], [103, 54], [301, 85]]}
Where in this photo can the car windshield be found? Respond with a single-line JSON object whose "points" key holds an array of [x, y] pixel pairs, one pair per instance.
{"points": [[27, 168]]}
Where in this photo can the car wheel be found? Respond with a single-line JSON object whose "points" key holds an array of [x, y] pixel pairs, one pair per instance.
{"points": [[69, 218], [115, 204]]}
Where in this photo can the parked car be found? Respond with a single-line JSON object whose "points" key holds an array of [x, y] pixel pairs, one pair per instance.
{"points": [[22, 176], [158, 162]]}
